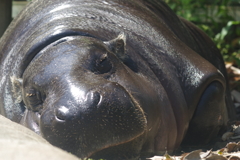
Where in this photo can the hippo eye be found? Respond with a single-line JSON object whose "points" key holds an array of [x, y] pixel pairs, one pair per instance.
{"points": [[103, 64], [34, 99]]}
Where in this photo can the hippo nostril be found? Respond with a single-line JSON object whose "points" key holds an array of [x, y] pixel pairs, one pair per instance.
{"points": [[61, 113], [93, 98]]}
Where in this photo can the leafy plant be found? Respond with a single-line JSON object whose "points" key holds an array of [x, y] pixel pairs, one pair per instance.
{"points": [[228, 41], [214, 18]]}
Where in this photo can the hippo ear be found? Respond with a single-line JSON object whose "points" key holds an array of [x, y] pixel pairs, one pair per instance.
{"points": [[17, 88], [117, 46]]}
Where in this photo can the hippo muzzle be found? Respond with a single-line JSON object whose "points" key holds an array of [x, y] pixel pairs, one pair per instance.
{"points": [[103, 117]]}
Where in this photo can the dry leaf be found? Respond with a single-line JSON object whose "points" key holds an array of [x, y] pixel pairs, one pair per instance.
{"points": [[167, 156], [220, 152], [231, 147], [216, 157], [204, 155], [194, 155], [184, 155], [234, 158]]}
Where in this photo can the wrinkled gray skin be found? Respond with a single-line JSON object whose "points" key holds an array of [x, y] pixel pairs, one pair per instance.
{"points": [[114, 79]]}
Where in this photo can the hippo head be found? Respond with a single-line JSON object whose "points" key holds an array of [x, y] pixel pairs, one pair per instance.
{"points": [[81, 97]]}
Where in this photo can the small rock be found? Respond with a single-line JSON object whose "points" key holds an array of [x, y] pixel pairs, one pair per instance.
{"points": [[226, 136]]}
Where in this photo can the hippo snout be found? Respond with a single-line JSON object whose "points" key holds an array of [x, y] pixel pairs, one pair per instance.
{"points": [[103, 117], [63, 113]]}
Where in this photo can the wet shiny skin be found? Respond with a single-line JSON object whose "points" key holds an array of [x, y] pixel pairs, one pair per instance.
{"points": [[78, 94], [115, 79]]}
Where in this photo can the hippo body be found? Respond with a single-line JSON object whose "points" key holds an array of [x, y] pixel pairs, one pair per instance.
{"points": [[114, 79]]}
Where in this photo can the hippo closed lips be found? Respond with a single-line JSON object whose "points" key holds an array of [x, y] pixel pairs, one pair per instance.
{"points": [[112, 79]]}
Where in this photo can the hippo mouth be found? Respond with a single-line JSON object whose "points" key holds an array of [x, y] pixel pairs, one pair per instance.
{"points": [[94, 128]]}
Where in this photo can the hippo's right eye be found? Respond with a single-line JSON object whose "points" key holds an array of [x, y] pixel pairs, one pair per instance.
{"points": [[103, 64]]}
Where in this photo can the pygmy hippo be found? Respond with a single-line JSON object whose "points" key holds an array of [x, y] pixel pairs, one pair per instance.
{"points": [[114, 79]]}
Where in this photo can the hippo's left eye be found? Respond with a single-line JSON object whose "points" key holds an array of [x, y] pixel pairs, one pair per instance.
{"points": [[34, 100], [103, 64]]}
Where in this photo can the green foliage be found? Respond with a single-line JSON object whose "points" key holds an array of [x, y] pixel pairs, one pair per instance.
{"points": [[214, 18], [228, 40]]}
